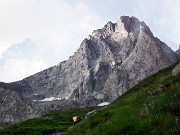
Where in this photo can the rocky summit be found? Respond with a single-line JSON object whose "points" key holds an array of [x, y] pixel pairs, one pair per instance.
{"points": [[107, 64]]}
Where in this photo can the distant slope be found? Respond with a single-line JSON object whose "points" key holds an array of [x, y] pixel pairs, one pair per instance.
{"points": [[151, 107]]}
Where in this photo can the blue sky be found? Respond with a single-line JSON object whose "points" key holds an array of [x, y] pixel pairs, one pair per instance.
{"points": [[37, 34]]}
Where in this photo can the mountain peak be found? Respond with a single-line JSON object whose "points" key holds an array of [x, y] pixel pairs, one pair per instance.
{"points": [[122, 28], [105, 32], [127, 19]]}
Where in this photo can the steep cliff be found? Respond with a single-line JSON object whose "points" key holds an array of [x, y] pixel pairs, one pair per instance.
{"points": [[108, 63]]}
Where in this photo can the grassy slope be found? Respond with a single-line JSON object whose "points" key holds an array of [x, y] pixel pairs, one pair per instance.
{"points": [[151, 107], [49, 123]]}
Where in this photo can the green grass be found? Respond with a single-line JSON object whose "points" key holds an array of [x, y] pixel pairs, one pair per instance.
{"points": [[150, 108], [54, 121]]}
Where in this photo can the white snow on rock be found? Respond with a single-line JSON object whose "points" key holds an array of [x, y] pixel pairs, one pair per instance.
{"points": [[51, 99], [103, 104]]}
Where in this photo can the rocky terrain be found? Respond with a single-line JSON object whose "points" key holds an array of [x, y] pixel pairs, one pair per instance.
{"points": [[108, 63]]}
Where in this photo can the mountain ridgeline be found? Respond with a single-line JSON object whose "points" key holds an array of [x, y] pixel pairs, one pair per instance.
{"points": [[107, 64]]}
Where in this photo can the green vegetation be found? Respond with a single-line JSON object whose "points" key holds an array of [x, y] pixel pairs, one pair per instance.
{"points": [[55, 121], [150, 108]]}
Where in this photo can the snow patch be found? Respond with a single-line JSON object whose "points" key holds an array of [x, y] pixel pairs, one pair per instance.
{"points": [[51, 99], [103, 104]]}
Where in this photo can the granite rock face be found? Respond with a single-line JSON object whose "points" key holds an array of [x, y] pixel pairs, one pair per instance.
{"points": [[107, 64]]}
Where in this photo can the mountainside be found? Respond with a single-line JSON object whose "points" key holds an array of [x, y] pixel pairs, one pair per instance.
{"points": [[107, 64], [151, 107], [119, 54]]}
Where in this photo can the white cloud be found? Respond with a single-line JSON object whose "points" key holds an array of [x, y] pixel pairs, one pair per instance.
{"points": [[15, 69], [40, 33]]}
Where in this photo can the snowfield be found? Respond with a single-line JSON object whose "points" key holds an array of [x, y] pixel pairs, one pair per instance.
{"points": [[103, 104]]}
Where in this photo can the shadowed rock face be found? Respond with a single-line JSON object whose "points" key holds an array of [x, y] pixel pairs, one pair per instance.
{"points": [[108, 63]]}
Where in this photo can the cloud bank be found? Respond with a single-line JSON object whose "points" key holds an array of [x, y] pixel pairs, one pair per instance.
{"points": [[37, 34]]}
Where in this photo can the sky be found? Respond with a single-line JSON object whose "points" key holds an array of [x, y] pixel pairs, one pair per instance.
{"points": [[38, 34]]}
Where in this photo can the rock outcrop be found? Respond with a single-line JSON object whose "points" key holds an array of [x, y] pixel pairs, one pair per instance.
{"points": [[176, 70], [107, 64]]}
